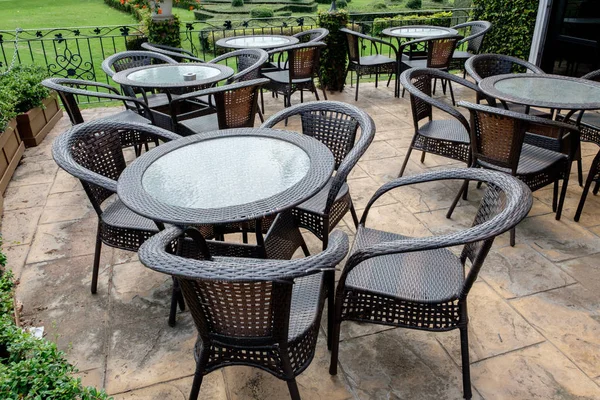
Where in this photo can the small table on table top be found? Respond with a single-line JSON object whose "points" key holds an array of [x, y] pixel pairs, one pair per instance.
{"points": [[264, 42], [544, 91], [225, 176], [170, 77]]}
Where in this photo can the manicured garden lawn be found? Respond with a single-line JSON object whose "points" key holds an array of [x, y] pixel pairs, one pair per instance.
{"points": [[58, 13]]}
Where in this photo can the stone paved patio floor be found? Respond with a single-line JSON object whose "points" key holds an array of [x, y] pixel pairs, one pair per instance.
{"points": [[535, 309]]}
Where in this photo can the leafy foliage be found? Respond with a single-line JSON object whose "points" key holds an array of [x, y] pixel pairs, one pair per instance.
{"points": [[164, 32], [32, 368], [414, 4], [513, 24], [261, 12], [342, 4], [24, 81], [333, 57], [237, 3], [7, 106]]}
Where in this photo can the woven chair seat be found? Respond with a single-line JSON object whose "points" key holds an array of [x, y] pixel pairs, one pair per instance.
{"points": [[462, 55], [154, 101], [117, 215], [306, 298], [283, 77], [207, 123], [127, 116], [427, 276], [414, 63], [377, 59], [591, 119], [445, 129], [522, 109], [532, 160], [318, 202]]}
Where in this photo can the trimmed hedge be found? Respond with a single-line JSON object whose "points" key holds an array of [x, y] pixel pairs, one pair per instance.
{"points": [[261, 12], [513, 24], [32, 368], [333, 57]]}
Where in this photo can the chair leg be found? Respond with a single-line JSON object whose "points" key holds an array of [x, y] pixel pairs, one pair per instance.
{"points": [[451, 93], [357, 83], [289, 372], [580, 172], [176, 292], [354, 215], [561, 201], [96, 266], [262, 100], [466, 367], [434, 86], [293, 388], [198, 376], [513, 234], [555, 196], [376, 80], [335, 345], [586, 189], [463, 188], [422, 157], [260, 115], [405, 160], [596, 187], [305, 249]]}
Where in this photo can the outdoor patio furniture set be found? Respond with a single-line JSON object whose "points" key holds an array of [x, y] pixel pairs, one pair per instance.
{"points": [[203, 177]]}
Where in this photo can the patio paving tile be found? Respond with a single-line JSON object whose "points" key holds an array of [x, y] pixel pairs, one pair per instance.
{"points": [[494, 327], [67, 206], [16, 256], [538, 372], [586, 270], [64, 182], [20, 197], [570, 318], [362, 190], [19, 226], [32, 171], [213, 388]]}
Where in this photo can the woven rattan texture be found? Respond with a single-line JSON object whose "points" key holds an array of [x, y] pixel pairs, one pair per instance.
{"points": [[179, 54], [312, 35], [248, 62], [478, 30]]}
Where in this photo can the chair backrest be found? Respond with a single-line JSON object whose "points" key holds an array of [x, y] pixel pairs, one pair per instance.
{"points": [[440, 51], [497, 135], [504, 204], [249, 63], [303, 60], [485, 65], [70, 89], [312, 35], [179, 54], [419, 83], [353, 45], [236, 103], [593, 76], [131, 59], [475, 38], [240, 301], [334, 124], [92, 152]]}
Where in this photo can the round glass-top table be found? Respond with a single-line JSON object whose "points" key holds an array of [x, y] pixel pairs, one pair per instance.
{"points": [[418, 31], [545, 91], [264, 42], [225, 176], [169, 76]]}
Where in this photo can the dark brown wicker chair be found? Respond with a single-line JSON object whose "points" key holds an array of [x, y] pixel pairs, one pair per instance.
{"points": [[131, 59], [259, 313], [177, 53], [474, 41], [312, 35], [444, 137], [235, 105], [536, 150], [418, 282], [136, 110], [92, 152], [247, 61], [485, 65], [335, 124], [376, 64], [439, 55], [303, 68]]}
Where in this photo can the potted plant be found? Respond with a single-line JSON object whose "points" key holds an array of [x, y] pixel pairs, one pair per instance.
{"points": [[161, 9], [11, 145], [37, 108]]}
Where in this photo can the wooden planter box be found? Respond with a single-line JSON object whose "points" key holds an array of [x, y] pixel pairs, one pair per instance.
{"points": [[35, 124], [11, 151]]}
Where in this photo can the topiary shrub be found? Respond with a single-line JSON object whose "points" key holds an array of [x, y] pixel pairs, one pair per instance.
{"points": [[237, 3], [380, 6], [261, 12], [333, 57], [342, 4], [414, 4]]}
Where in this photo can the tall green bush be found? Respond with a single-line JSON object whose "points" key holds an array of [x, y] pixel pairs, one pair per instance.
{"points": [[414, 4], [164, 32], [513, 23], [333, 57]]}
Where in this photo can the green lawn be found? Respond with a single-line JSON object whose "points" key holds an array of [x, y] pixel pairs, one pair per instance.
{"points": [[58, 13]]}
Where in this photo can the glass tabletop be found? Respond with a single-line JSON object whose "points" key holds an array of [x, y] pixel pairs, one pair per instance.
{"points": [[202, 175], [549, 89], [418, 31], [172, 74], [258, 41]]}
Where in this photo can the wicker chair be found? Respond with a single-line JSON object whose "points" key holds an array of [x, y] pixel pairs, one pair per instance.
{"points": [[376, 64], [235, 104], [474, 41], [179, 54], [439, 56], [418, 282], [303, 63], [70, 90], [444, 137], [312, 35], [335, 124], [260, 313], [485, 65], [248, 62], [536, 150], [131, 59], [93, 153]]}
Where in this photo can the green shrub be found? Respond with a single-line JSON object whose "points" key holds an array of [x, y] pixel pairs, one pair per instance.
{"points": [[396, 1], [7, 106], [24, 81], [324, 1], [261, 12], [379, 6], [32, 368], [342, 4], [513, 24], [333, 57], [164, 32], [237, 3], [414, 4]]}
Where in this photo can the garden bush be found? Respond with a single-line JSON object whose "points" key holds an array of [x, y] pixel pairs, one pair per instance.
{"points": [[32, 368], [342, 4], [237, 3], [333, 57], [414, 4], [379, 6], [24, 82], [261, 12], [513, 24]]}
